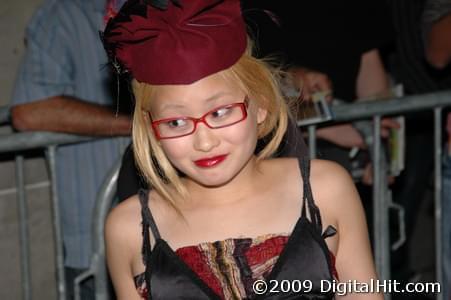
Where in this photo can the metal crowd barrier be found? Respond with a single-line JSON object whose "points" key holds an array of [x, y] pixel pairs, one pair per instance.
{"points": [[97, 268], [381, 194], [374, 110], [18, 143]]}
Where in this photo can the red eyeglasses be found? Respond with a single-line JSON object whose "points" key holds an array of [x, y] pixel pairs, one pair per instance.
{"points": [[219, 117]]}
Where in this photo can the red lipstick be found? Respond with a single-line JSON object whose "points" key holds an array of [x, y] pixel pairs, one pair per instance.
{"points": [[211, 161]]}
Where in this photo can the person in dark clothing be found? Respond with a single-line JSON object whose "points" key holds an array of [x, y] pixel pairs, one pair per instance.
{"points": [[410, 67], [437, 38], [339, 40]]}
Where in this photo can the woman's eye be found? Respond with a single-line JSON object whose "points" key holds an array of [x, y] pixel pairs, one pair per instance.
{"points": [[177, 123], [221, 112]]}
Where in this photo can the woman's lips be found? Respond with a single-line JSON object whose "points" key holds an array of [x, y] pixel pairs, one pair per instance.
{"points": [[211, 161]]}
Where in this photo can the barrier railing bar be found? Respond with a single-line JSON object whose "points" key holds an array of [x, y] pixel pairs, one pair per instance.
{"points": [[438, 196], [28, 187], [379, 205], [32, 140], [59, 251], [344, 112], [108, 192], [376, 195], [23, 225], [97, 266], [367, 109]]}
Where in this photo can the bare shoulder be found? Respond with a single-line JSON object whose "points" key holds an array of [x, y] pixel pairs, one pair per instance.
{"points": [[123, 224], [123, 243], [324, 174], [328, 173], [286, 165], [127, 212], [284, 168], [340, 205], [125, 220], [333, 189]]}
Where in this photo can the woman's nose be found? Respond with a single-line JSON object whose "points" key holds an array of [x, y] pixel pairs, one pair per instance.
{"points": [[205, 138]]}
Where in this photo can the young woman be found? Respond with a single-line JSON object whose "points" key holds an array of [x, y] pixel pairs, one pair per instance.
{"points": [[222, 222]]}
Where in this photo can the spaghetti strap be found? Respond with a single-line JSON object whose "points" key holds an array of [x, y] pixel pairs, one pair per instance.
{"points": [[308, 204], [146, 214], [147, 223]]}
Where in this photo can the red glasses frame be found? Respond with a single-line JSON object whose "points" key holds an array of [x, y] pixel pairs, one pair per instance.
{"points": [[242, 105]]}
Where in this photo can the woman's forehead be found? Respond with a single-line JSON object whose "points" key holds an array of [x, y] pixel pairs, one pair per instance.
{"points": [[206, 90]]}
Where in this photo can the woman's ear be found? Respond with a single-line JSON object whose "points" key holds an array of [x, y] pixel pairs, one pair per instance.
{"points": [[261, 115]]}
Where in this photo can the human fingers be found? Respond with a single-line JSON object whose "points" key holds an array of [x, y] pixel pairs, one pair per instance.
{"points": [[306, 94], [389, 123], [319, 82], [386, 125], [367, 177], [343, 135]]}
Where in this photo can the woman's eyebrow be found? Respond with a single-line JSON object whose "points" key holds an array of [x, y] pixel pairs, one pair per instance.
{"points": [[167, 106], [217, 95], [211, 98]]}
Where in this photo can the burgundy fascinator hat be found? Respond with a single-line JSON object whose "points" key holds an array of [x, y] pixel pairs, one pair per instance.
{"points": [[175, 42]]}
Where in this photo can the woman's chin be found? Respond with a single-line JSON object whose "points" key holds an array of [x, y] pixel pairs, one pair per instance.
{"points": [[212, 181]]}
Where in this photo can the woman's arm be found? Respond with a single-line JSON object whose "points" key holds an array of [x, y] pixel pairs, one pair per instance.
{"points": [[372, 83], [372, 80], [69, 115], [438, 43], [120, 242], [340, 201]]}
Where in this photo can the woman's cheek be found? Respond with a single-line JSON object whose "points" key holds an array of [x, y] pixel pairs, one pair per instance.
{"points": [[241, 134], [176, 149]]}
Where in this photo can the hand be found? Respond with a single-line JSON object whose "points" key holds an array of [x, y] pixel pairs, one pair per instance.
{"points": [[344, 135], [386, 125], [310, 82], [367, 177]]}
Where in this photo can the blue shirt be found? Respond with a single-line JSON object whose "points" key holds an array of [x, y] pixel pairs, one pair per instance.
{"points": [[65, 56]]}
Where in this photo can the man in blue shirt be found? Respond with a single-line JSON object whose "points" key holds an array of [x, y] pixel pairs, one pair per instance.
{"points": [[64, 85]]}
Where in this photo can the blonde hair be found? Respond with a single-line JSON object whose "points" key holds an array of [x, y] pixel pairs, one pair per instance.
{"points": [[255, 77]]}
